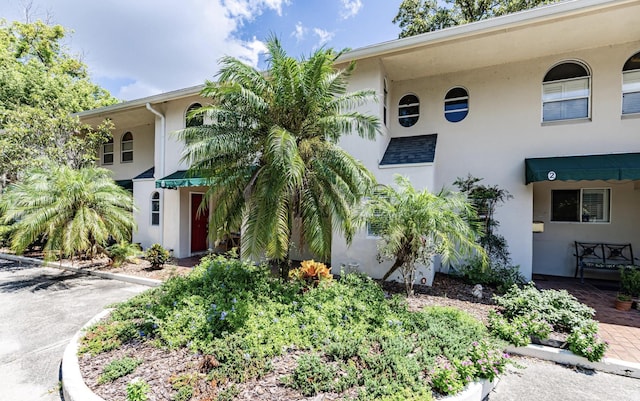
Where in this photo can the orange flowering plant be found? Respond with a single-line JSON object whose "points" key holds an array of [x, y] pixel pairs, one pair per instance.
{"points": [[311, 272]]}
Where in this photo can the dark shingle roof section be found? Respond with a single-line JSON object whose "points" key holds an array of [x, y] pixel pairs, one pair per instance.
{"points": [[145, 174], [410, 150]]}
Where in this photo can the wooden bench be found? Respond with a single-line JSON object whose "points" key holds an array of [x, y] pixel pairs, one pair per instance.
{"points": [[600, 255]]}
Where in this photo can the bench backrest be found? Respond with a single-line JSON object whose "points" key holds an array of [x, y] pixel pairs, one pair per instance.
{"points": [[605, 253]]}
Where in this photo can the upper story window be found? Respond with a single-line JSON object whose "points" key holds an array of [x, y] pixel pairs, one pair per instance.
{"points": [[566, 92], [408, 110], [631, 85], [155, 209], [107, 152], [194, 121], [456, 105], [126, 148]]}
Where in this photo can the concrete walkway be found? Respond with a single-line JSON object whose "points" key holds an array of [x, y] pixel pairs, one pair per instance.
{"points": [[40, 311], [545, 381]]}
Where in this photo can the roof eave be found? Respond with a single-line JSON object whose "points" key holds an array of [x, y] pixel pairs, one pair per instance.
{"points": [[508, 21], [162, 97]]}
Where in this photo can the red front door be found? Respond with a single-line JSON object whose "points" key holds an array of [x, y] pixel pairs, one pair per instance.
{"points": [[198, 225]]}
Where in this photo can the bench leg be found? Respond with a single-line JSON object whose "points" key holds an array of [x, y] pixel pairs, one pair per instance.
{"points": [[582, 273]]}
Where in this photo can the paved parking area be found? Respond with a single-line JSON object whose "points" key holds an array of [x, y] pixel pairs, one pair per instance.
{"points": [[545, 381], [40, 310]]}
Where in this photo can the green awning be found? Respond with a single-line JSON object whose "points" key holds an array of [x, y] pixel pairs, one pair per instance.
{"points": [[181, 178], [621, 166], [126, 184]]}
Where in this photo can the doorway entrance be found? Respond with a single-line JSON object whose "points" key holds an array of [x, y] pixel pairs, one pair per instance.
{"points": [[199, 224]]}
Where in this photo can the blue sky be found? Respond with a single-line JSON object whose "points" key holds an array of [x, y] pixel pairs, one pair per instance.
{"points": [[136, 48]]}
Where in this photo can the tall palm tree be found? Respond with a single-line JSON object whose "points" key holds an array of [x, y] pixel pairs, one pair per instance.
{"points": [[74, 210], [414, 226], [271, 151]]}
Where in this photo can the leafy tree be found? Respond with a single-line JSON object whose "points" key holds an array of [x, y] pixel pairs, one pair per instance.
{"points": [[419, 16], [41, 85], [485, 199], [272, 154], [73, 210], [414, 226]]}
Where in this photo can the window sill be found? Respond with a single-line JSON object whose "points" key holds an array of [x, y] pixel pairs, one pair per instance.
{"points": [[126, 162], [565, 122], [630, 116]]}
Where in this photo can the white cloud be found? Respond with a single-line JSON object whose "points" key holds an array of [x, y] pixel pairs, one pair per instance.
{"points": [[350, 8], [251, 8], [299, 32], [155, 46], [323, 35]]}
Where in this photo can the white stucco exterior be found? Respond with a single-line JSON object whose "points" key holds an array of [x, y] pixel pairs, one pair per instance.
{"points": [[501, 63]]}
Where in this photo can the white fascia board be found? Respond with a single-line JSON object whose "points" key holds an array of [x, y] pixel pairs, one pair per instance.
{"points": [[162, 97], [505, 22]]}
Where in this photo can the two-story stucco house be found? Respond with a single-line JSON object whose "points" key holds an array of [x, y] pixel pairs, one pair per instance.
{"points": [[544, 103]]}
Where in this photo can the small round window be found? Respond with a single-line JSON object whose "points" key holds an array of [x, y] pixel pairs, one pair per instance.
{"points": [[408, 110], [456, 105]]}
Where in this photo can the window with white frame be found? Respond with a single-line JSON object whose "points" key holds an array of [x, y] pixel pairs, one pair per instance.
{"points": [[126, 148], [631, 85], [155, 209], [193, 120], [587, 205], [107, 152], [456, 105], [408, 110], [566, 92]]}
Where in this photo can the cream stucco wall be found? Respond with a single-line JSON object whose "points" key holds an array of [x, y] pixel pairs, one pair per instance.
{"points": [[146, 234], [502, 129], [143, 154]]}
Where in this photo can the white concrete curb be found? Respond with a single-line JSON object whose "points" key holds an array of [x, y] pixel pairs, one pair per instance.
{"points": [[566, 357], [73, 386], [475, 391], [149, 282]]}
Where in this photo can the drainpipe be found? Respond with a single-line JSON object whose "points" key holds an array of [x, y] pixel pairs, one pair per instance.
{"points": [[160, 171]]}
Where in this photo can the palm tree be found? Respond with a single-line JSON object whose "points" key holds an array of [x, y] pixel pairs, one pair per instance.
{"points": [[414, 226], [73, 210], [271, 152]]}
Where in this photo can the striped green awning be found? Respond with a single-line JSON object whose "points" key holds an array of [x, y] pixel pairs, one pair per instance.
{"points": [[620, 166], [181, 178]]}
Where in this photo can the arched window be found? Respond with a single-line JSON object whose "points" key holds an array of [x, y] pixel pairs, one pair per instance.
{"points": [[126, 148], [408, 110], [107, 152], [566, 92], [155, 209], [456, 104], [631, 85], [194, 121]]}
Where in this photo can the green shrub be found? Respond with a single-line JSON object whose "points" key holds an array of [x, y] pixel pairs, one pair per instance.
{"points": [[518, 330], [311, 376], [118, 368], [107, 336], [558, 308], [500, 276], [122, 252], [157, 256], [446, 379], [630, 281], [137, 390], [586, 342]]}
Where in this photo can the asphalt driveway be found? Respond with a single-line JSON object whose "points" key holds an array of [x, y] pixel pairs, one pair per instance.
{"points": [[40, 310]]}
